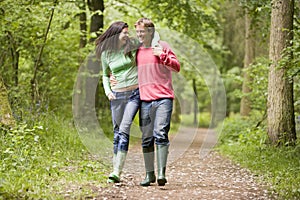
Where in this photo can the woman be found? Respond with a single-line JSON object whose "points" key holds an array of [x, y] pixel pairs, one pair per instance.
{"points": [[117, 53]]}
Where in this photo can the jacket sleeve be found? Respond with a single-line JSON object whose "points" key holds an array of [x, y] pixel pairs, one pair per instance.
{"points": [[168, 58], [106, 74]]}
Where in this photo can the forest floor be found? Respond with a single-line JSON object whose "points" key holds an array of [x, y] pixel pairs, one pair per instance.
{"points": [[189, 175]]}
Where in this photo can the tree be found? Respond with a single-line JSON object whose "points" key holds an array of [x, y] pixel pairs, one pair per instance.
{"points": [[233, 25], [281, 120], [97, 8], [87, 97], [249, 57], [6, 117], [83, 25], [34, 82]]}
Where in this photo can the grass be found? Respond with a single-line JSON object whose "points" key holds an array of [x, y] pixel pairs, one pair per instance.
{"points": [[279, 167], [46, 160]]}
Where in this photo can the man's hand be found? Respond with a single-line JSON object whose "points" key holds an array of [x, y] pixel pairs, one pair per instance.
{"points": [[157, 50], [113, 81]]}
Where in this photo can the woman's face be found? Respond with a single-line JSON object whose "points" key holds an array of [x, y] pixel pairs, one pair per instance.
{"points": [[123, 37]]}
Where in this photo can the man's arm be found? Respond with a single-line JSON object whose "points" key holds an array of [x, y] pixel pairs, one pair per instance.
{"points": [[169, 58]]}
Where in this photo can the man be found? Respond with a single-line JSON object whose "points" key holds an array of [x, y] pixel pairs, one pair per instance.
{"points": [[155, 66]]}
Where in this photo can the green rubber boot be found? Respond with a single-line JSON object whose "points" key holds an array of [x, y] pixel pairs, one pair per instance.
{"points": [[162, 155], [118, 162], [148, 154]]}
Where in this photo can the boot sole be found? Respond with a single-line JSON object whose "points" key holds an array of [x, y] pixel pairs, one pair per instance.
{"points": [[161, 182], [147, 184], [114, 179]]}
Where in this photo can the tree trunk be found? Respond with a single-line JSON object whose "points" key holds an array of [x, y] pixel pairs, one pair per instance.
{"points": [[86, 96], [83, 25], [234, 28], [6, 117], [97, 7], [15, 55], [281, 120], [195, 103], [245, 106]]}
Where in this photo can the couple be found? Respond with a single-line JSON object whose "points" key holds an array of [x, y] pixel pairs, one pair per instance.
{"points": [[143, 80]]}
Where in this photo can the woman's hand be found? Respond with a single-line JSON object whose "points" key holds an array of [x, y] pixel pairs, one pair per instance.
{"points": [[111, 96]]}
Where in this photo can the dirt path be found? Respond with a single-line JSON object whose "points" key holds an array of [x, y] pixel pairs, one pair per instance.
{"points": [[190, 174]]}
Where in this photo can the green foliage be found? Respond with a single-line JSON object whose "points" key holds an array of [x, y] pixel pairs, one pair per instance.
{"points": [[258, 73], [233, 84], [42, 161], [194, 18], [246, 144], [204, 119], [294, 71], [22, 32], [243, 131]]}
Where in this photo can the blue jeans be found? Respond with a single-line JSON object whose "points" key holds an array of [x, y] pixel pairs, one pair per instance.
{"points": [[123, 110], [155, 120]]}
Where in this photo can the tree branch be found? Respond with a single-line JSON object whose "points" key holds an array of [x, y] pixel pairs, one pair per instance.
{"points": [[297, 72], [33, 80]]}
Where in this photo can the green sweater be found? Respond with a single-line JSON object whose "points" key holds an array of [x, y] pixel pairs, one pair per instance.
{"points": [[122, 67]]}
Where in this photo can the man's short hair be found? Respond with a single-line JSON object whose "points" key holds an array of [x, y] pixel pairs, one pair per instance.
{"points": [[148, 24]]}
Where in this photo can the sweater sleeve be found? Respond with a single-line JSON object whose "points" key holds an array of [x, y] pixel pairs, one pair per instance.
{"points": [[106, 74], [169, 58]]}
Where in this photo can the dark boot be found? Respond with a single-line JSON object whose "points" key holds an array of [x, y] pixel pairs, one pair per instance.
{"points": [[149, 166], [162, 155]]}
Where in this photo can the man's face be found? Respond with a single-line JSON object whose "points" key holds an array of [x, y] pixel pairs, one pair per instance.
{"points": [[143, 35]]}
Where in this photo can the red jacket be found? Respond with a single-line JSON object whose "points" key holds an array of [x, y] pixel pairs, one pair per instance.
{"points": [[155, 73]]}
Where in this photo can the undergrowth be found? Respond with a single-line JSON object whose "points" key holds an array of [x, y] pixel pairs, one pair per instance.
{"points": [[45, 160], [247, 144]]}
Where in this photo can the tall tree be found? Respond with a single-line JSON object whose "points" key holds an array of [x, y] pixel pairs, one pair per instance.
{"points": [[233, 32], [249, 57], [281, 120], [83, 25], [97, 8], [6, 117], [88, 81]]}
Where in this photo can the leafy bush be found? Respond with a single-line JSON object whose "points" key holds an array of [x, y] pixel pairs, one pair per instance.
{"points": [[238, 130], [36, 161]]}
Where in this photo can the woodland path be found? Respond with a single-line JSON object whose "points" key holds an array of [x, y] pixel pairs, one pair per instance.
{"points": [[192, 173]]}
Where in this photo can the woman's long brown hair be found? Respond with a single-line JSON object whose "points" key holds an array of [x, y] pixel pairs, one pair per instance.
{"points": [[109, 40]]}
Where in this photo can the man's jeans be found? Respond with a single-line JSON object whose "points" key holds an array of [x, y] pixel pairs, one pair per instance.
{"points": [[123, 109], [155, 119]]}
